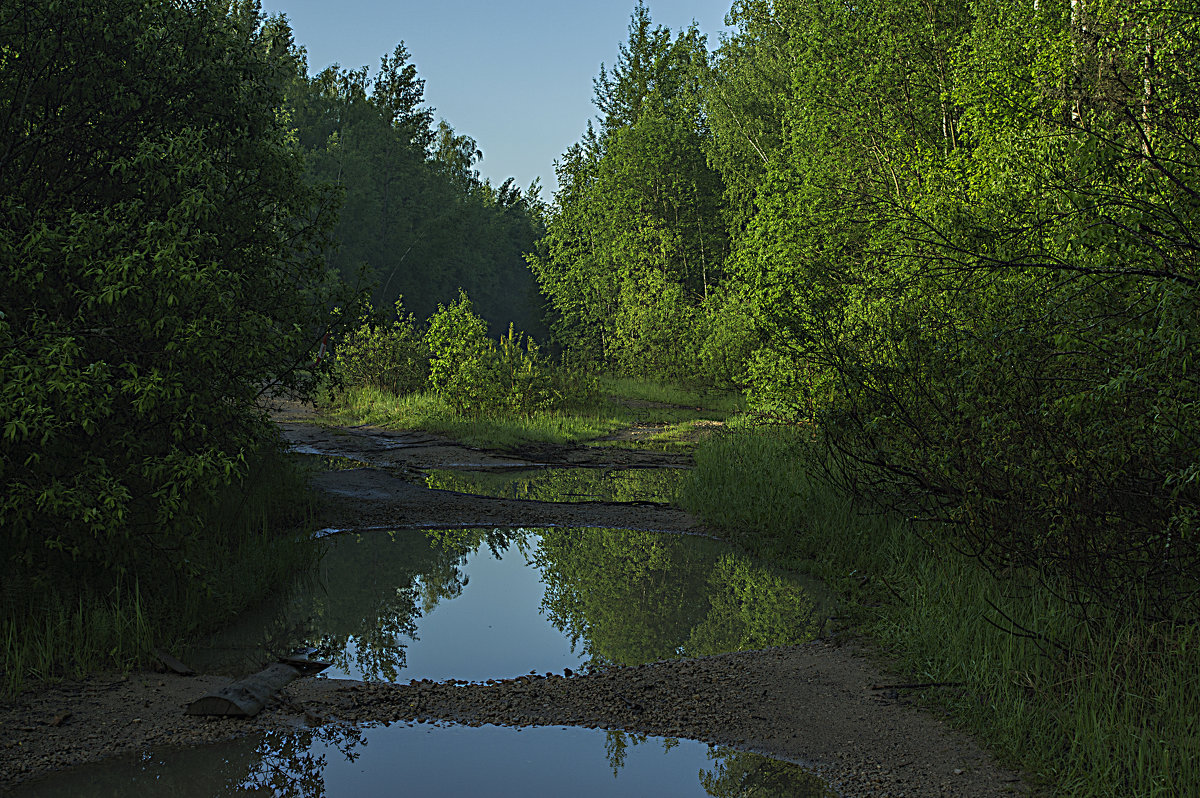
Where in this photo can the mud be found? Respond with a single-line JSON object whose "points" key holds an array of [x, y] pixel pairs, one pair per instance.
{"points": [[830, 704]]}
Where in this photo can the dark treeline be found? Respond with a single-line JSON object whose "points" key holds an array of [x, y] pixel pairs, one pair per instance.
{"points": [[415, 220], [958, 238]]}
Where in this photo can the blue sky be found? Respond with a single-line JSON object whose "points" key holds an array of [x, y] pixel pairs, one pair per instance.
{"points": [[515, 76]]}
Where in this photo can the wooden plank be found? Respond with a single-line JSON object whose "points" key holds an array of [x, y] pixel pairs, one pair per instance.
{"points": [[247, 696]]}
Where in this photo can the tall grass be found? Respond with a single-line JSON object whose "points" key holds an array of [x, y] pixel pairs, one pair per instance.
{"points": [[427, 411], [254, 540], [1110, 707]]}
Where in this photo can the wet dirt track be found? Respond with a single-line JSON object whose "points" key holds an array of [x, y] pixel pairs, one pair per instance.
{"points": [[826, 704]]}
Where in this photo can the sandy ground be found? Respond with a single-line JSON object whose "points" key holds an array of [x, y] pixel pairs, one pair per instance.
{"points": [[829, 705]]}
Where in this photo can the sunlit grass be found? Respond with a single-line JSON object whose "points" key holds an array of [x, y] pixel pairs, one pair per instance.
{"points": [[725, 402], [1110, 708], [428, 412]]}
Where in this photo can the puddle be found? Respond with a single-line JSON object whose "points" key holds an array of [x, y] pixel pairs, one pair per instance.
{"points": [[477, 604], [429, 760], [328, 462], [565, 484]]}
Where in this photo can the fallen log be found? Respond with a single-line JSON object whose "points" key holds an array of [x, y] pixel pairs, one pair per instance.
{"points": [[247, 696]]}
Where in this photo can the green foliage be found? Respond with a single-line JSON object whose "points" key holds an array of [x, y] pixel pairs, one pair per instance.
{"points": [[463, 360], [967, 259], [630, 597], [652, 330], [254, 541], [728, 341], [476, 376], [1105, 708], [391, 356], [416, 218], [162, 269], [636, 240]]}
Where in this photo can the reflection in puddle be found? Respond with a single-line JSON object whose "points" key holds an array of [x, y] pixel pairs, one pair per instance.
{"points": [[328, 462], [475, 604], [564, 484], [429, 760]]}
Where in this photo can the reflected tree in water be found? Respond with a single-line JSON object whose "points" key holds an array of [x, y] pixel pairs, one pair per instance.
{"points": [[380, 583], [565, 484], [287, 766], [752, 607], [739, 774], [622, 596], [631, 597]]}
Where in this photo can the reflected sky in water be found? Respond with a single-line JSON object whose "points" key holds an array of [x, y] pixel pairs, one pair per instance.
{"points": [[483, 604], [427, 760], [480, 604]]}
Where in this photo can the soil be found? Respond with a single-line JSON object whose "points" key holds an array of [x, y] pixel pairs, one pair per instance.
{"points": [[830, 704]]}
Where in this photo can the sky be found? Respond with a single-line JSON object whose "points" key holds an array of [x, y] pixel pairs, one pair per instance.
{"points": [[515, 75]]}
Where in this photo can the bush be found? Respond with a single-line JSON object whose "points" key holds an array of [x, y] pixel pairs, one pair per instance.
{"points": [[653, 333], [462, 357], [161, 267], [729, 339], [389, 356], [476, 376]]}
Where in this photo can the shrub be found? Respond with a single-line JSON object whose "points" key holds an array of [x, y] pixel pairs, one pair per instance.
{"points": [[462, 357], [390, 356], [477, 376]]}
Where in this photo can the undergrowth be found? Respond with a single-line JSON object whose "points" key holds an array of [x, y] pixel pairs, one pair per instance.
{"points": [[255, 540], [1108, 707]]}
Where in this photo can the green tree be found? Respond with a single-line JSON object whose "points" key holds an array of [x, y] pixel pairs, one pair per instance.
{"points": [[636, 240], [417, 220], [162, 270]]}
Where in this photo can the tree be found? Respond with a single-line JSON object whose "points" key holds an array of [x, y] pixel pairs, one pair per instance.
{"points": [[162, 270], [636, 240], [417, 219]]}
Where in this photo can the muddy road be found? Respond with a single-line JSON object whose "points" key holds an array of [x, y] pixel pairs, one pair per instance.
{"points": [[829, 704]]}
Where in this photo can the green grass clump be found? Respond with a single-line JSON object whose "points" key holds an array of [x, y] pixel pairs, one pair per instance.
{"points": [[1106, 707], [726, 402], [429, 412]]}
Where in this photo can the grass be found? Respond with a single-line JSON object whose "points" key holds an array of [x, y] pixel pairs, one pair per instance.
{"points": [[723, 402], [1119, 715], [253, 541], [428, 412]]}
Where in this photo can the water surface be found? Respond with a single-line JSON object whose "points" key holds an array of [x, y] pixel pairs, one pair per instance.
{"points": [[564, 484], [478, 604], [429, 760]]}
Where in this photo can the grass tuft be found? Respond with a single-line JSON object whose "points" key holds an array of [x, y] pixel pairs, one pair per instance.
{"points": [[427, 411]]}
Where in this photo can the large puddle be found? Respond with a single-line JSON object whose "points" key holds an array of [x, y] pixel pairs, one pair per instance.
{"points": [[430, 760], [564, 484], [475, 604]]}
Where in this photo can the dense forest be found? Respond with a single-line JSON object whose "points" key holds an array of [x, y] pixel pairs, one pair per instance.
{"points": [[187, 214], [960, 239], [415, 219]]}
